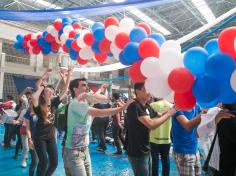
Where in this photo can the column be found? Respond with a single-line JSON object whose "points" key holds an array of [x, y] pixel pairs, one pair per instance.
{"points": [[2, 66]]}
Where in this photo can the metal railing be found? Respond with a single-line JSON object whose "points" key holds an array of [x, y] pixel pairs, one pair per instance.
{"points": [[17, 60]]}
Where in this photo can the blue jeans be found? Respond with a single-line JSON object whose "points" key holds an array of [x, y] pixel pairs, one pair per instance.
{"points": [[142, 166], [77, 162]]}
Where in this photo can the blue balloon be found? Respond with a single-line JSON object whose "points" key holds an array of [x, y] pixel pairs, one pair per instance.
{"points": [[75, 21], [66, 24], [17, 45], [131, 52], [95, 47], [60, 32], [159, 38], [220, 66], [209, 104], [44, 34], [99, 34], [227, 94], [66, 20], [195, 59], [137, 34], [68, 43], [123, 60], [76, 36], [96, 26], [46, 50], [20, 38], [205, 89], [40, 41], [109, 54], [212, 46], [73, 54]]}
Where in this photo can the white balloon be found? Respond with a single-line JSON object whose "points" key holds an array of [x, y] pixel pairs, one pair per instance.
{"points": [[150, 67], [86, 53], [233, 81], [110, 32], [50, 28], [33, 36], [78, 30], [169, 44], [126, 25], [54, 32], [114, 49], [68, 28], [158, 87], [170, 59], [64, 37], [80, 42]]}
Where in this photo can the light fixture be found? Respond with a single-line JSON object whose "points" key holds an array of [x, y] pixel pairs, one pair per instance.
{"points": [[204, 9], [148, 20], [119, 1]]}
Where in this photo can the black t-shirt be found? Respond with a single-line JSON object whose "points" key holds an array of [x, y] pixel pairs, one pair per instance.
{"points": [[98, 120], [137, 139], [42, 130]]}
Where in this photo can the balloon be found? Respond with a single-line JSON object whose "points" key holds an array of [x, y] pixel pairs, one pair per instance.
{"points": [[148, 48], [95, 47], [19, 38], [81, 61], [57, 24], [101, 57], [150, 67], [80, 41], [206, 89], [220, 66], [227, 94], [45, 50], [185, 101], [64, 37], [33, 42], [212, 46], [146, 27], [135, 73], [72, 34], [111, 21], [170, 44], [74, 46], [159, 38], [76, 26], [68, 29], [209, 104], [73, 54], [55, 46], [17, 45], [233, 80], [66, 20], [226, 41], [49, 29], [158, 86], [86, 53], [126, 25], [88, 39], [111, 32], [170, 59], [49, 38], [68, 43], [115, 50], [123, 60], [96, 26], [99, 34], [195, 59], [180, 80], [131, 52], [121, 40], [137, 34], [104, 46], [65, 49]]}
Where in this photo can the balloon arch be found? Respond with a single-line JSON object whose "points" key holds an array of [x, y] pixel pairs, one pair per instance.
{"points": [[205, 75]]}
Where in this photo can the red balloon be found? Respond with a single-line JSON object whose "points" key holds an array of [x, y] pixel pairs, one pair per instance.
{"points": [[33, 42], [81, 61], [135, 73], [226, 41], [121, 40], [101, 57], [180, 80], [65, 49], [36, 50], [39, 36], [55, 46], [148, 48], [49, 38], [104, 46], [27, 37], [77, 26], [146, 27], [57, 25], [25, 44], [72, 34], [88, 39], [111, 21], [185, 101], [74, 46]]}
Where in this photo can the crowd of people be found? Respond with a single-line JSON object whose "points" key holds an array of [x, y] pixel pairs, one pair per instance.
{"points": [[144, 128]]}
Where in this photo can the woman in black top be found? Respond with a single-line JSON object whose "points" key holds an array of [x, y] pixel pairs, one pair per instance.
{"points": [[44, 138]]}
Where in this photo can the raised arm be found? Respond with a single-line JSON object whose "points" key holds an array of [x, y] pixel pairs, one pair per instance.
{"points": [[66, 85], [156, 122], [189, 124], [35, 96], [43, 78]]}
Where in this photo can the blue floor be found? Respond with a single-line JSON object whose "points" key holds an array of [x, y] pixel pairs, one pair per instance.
{"points": [[102, 164]]}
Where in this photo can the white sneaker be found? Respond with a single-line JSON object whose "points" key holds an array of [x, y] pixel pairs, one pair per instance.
{"points": [[23, 164]]}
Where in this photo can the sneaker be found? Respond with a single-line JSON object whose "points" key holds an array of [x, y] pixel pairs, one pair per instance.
{"points": [[118, 153], [23, 164]]}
